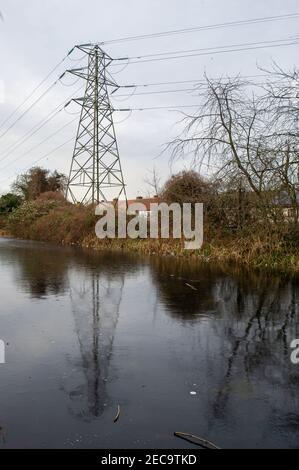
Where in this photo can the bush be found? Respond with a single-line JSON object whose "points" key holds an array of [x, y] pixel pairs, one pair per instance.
{"points": [[49, 219], [9, 202], [21, 221], [187, 186]]}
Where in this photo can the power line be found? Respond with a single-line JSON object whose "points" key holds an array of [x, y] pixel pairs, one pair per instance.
{"points": [[210, 51], [215, 52], [44, 156], [35, 89], [204, 28], [199, 80], [52, 151], [209, 48], [39, 143], [177, 90], [159, 107], [31, 132], [157, 92], [37, 126], [29, 108]]}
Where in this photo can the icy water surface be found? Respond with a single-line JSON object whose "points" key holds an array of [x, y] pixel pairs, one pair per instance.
{"points": [[86, 332]]}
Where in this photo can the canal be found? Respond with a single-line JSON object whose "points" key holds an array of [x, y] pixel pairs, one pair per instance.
{"points": [[175, 346]]}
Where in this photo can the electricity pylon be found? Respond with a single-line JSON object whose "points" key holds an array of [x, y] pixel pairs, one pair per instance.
{"points": [[95, 170]]}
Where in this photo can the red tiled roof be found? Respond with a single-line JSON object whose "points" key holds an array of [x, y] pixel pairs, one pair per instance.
{"points": [[146, 201]]}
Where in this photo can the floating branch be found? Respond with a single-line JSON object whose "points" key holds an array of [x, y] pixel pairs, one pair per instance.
{"points": [[117, 414], [189, 285], [202, 442]]}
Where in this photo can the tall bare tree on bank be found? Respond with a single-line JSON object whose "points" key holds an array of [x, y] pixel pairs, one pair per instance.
{"points": [[247, 132], [282, 98]]}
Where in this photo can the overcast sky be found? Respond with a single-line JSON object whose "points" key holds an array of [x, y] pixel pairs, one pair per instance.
{"points": [[36, 34]]}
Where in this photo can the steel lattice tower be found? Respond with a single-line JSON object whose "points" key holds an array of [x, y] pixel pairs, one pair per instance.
{"points": [[95, 170]]}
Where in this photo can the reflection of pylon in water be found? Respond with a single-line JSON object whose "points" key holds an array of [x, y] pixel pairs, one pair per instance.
{"points": [[96, 312], [95, 172]]}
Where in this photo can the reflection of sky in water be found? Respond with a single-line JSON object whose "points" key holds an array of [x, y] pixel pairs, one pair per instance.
{"points": [[89, 331]]}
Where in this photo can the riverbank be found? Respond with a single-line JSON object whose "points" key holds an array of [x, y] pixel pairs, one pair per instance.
{"points": [[4, 233], [67, 224], [248, 253], [234, 252]]}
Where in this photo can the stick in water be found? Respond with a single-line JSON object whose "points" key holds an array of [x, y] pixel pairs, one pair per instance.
{"points": [[202, 442], [117, 414], [189, 285]]}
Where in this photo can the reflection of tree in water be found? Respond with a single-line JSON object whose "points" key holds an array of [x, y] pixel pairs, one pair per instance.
{"points": [[171, 278], [247, 322], [267, 321], [40, 268]]}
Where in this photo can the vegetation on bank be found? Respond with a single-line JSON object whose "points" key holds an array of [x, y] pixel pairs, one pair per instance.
{"points": [[50, 218]]}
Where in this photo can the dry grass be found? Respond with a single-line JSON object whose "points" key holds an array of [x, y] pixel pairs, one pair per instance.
{"points": [[55, 220]]}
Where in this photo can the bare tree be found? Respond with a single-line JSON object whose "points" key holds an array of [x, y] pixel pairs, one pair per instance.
{"points": [[282, 99], [248, 131], [153, 180]]}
